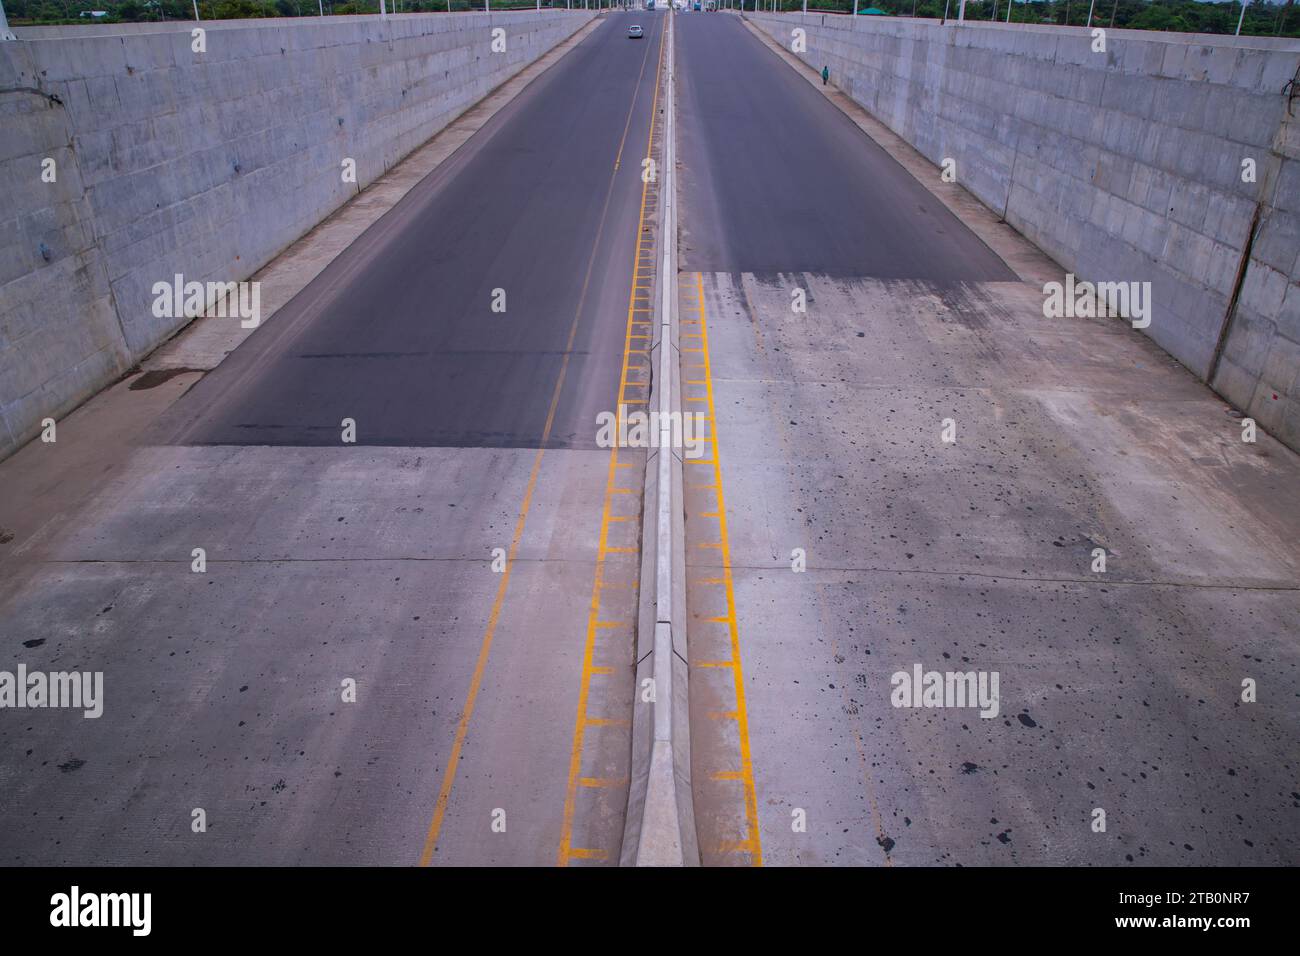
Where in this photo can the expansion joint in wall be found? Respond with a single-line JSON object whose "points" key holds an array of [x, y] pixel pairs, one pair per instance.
{"points": [[1264, 198]]}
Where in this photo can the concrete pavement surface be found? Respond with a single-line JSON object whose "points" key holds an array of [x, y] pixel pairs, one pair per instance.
{"points": [[385, 653], [965, 585], [858, 543]]}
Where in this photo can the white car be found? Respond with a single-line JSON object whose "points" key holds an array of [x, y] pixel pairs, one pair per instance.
{"points": [[635, 32]]}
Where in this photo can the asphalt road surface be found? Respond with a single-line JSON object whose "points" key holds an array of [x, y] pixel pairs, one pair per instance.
{"points": [[349, 675], [860, 544], [774, 181], [400, 333], [387, 655]]}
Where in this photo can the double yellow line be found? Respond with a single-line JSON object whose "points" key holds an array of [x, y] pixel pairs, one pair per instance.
{"points": [[476, 680], [639, 330], [695, 328]]}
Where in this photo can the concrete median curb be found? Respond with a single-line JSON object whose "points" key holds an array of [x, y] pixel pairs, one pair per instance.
{"points": [[660, 826]]}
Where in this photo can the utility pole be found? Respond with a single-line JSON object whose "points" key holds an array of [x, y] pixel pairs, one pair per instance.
{"points": [[1241, 18]]}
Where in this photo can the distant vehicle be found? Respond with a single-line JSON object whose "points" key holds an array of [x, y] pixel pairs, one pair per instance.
{"points": [[635, 32], [697, 6]]}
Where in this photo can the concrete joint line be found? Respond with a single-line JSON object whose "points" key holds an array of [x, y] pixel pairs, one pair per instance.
{"points": [[1265, 199]]}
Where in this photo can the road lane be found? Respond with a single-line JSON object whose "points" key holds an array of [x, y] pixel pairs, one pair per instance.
{"points": [[773, 181], [370, 563], [862, 544], [400, 333]]}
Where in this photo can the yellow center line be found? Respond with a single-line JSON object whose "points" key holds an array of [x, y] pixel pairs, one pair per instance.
{"points": [[581, 722], [746, 772], [476, 679]]}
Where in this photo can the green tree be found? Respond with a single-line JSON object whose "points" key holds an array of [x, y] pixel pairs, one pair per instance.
{"points": [[1158, 17], [241, 10]]}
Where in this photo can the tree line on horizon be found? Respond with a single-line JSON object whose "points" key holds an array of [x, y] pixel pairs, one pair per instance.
{"points": [[1178, 16], [1181, 16], [32, 12]]}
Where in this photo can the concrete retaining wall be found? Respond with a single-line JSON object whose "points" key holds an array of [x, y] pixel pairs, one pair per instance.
{"points": [[205, 164], [1122, 165]]}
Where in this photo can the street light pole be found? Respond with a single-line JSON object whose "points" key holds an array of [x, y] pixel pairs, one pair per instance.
{"points": [[1241, 18]]}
